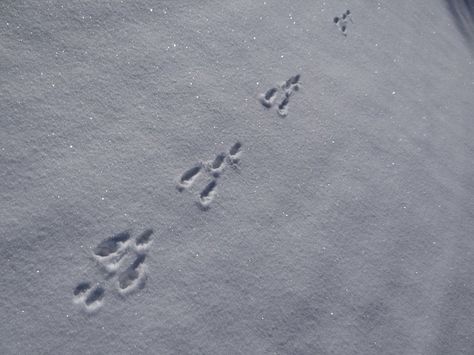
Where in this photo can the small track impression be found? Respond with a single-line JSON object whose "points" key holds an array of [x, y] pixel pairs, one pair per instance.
{"points": [[234, 153], [81, 289], [342, 21], [213, 169], [143, 241], [133, 277], [188, 178], [287, 89], [269, 97], [217, 166], [283, 107], [110, 251], [94, 296], [207, 195], [111, 254]]}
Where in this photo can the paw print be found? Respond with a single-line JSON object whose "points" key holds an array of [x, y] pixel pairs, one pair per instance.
{"points": [[213, 169], [342, 21], [287, 88], [112, 255]]}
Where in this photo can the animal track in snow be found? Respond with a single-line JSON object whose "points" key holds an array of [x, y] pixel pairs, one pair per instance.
{"points": [[288, 88], [214, 169], [283, 107], [188, 178], [234, 153], [207, 194], [90, 298], [269, 97], [82, 288], [342, 21], [111, 253], [112, 245], [94, 296], [143, 241], [133, 277], [291, 85]]}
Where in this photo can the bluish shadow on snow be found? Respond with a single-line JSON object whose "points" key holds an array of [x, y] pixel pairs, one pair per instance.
{"points": [[463, 13]]}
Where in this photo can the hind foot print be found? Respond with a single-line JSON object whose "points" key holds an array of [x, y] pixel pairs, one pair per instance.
{"points": [[94, 299], [110, 251], [216, 166], [187, 179], [112, 245], [292, 81], [268, 98], [133, 277], [234, 153], [207, 195], [143, 241]]}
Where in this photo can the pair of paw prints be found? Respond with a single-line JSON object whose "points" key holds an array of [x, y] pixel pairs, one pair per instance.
{"points": [[90, 297], [111, 254], [288, 88], [342, 21], [214, 169]]}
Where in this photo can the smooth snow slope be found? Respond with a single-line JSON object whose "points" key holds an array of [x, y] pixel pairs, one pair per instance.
{"points": [[346, 228]]}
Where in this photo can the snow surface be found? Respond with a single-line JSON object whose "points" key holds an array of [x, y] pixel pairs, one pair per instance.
{"points": [[345, 227]]}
